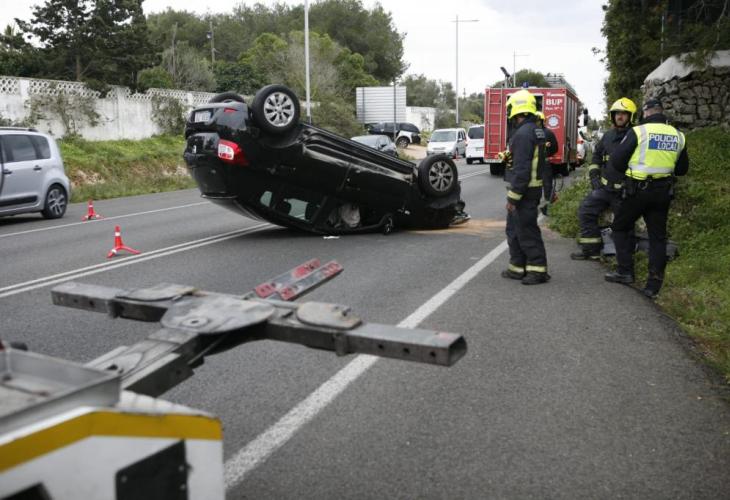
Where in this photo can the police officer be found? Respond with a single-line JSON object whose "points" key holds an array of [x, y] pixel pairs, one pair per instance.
{"points": [[606, 192], [651, 155], [528, 262], [551, 147]]}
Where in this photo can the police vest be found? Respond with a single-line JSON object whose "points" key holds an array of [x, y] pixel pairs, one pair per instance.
{"points": [[657, 151]]}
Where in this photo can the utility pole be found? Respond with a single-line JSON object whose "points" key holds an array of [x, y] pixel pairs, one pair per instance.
{"points": [[211, 36], [514, 71], [456, 87], [306, 58]]}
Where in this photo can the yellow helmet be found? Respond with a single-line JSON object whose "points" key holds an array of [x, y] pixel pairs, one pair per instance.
{"points": [[540, 116], [626, 105], [521, 102]]}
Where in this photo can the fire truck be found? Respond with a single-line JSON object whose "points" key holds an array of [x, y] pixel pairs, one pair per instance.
{"points": [[561, 108]]}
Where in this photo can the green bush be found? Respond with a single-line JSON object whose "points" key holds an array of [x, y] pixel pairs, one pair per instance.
{"points": [[696, 292], [108, 169]]}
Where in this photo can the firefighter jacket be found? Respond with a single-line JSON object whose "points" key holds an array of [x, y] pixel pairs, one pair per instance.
{"points": [[527, 147], [551, 142], [601, 155], [652, 150]]}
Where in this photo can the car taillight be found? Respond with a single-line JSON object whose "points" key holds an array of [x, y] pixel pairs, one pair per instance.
{"points": [[230, 152]]}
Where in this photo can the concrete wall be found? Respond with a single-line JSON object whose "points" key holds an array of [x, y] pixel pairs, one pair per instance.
{"points": [[375, 104], [423, 118], [123, 115], [692, 98]]}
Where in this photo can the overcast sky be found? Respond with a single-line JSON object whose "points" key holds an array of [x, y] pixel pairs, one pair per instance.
{"points": [[551, 37]]}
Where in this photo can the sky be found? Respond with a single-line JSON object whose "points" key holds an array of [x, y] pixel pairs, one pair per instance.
{"points": [[550, 37]]}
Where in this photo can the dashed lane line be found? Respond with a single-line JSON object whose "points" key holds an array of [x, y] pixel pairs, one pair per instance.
{"points": [[262, 447]]}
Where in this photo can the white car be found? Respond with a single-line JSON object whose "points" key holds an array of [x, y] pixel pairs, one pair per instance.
{"points": [[475, 144], [32, 177], [450, 141]]}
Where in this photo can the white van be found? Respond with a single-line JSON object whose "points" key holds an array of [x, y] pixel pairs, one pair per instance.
{"points": [[450, 141], [475, 144]]}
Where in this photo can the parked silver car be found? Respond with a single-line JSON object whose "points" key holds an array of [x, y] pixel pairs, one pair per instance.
{"points": [[32, 177]]}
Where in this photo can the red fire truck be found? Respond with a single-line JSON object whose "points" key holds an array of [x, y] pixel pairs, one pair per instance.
{"points": [[561, 108]]}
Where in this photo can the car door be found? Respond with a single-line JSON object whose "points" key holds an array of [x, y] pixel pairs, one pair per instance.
{"points": [[461, 144], [22, 173]]}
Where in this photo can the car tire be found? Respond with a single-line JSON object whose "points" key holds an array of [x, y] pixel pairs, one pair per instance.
{"points": [[276, 109], [55, 203], [226, 97], [402, 142], [437, 175], [496, 168], [469, 161]]}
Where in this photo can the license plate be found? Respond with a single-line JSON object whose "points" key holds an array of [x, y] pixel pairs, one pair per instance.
{"points": [[201, 116]]}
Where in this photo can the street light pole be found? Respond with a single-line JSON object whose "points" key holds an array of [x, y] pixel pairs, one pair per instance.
{"points": [[457, 21], [306, 58], [514, 70]]}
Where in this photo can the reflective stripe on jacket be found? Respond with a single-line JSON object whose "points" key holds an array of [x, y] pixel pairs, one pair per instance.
{"points": [[657, 150]]}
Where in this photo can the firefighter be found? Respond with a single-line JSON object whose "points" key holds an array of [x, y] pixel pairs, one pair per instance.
{"points": [[551, 147], [651, 155], [606, 192], [528, 261]]}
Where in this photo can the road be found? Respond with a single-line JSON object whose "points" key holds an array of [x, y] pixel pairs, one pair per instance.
{"points": [[574, 389]]}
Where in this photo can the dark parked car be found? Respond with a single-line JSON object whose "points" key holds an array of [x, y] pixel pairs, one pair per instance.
{"points": [[381, 143], [259, 160], [407, 133]]}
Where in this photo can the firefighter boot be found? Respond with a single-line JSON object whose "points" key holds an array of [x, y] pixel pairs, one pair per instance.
{"points": [[585, 256], [535, 278], [513, 275], [615, 277], [653, 285]]}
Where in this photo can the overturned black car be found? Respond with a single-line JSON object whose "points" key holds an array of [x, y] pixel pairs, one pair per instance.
{"points": [[259, 160]]}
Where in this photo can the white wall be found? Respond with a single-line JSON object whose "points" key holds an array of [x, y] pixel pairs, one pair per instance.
{"points": [[423, 118], [123, 115]]}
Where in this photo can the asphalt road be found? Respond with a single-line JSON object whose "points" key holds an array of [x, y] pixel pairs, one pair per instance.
{"points": [[574, 389]]}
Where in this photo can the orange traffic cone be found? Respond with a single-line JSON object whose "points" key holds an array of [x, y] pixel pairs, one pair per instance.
{"points": [[119, 244], [90, 214]]}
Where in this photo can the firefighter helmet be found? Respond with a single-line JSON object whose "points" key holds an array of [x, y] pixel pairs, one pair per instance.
{"points": [[521, 102], [540, 116], [626, 105]]}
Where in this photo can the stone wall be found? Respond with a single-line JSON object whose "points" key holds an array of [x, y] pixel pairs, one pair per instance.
{"points": [[122, 114], [691, 98]]}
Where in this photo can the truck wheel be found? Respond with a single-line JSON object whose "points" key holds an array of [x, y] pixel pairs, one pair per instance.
{"points": [[226, 97], [275, 109], [437, 175], [469, 161], [496, 168], [56, 202], [402, 142]]}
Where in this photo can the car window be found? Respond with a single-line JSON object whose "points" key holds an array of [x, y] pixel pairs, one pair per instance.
{"points": [[42, 147], [443, 136], [476, 133], [19, 148]]}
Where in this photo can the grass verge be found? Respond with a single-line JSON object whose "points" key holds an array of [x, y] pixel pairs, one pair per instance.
{"points": [[696, 292], [108, 169]]}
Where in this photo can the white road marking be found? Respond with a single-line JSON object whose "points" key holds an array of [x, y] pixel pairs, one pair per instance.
{"points": [[473, 174], [247, 458], [105, 219], [27, 286]]}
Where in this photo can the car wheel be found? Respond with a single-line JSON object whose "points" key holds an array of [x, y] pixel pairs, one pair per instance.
{"points": [[496, 168], [469, 161], [402, 142], [276, 109], [226, 97], [388, 225], [437, 175], [56, 203]]}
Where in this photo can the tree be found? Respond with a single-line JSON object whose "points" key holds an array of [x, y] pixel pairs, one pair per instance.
{"points": [[421, 91], [238, 77], [103, 40], [533, 78], [154, 78], [189, 70]]}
